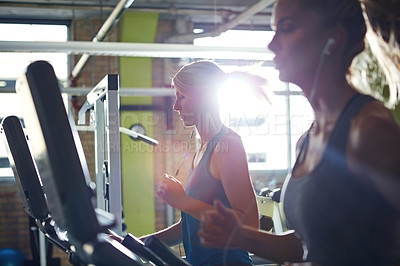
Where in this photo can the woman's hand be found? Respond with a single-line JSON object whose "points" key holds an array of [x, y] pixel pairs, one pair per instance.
{"points": [[219, 227], [171, 191]]}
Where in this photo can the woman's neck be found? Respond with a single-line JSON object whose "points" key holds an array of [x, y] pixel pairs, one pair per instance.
{"points": [[329, 106], [208, 130]]}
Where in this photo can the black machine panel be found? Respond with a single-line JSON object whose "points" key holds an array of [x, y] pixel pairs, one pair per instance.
{"points": [[59, 161], [24, 169], [66, 195], [61, 166]]}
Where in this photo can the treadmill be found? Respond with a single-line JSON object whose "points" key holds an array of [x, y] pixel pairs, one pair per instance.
{"points": [[62, 179]]}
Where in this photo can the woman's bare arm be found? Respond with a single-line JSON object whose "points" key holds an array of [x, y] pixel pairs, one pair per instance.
{"points": [[171, 236], [222, 228], [229, 164]]}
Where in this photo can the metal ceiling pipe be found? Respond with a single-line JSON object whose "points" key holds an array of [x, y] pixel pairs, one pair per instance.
{"points": [[108, 24], [155, 50], [223, 12], [227, 26]]}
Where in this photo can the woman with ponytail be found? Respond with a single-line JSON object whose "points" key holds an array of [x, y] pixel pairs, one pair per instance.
{"points": [[219, 170]]}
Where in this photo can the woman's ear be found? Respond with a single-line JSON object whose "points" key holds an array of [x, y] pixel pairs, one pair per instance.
{"points": [[337, 40], [327, 48]]}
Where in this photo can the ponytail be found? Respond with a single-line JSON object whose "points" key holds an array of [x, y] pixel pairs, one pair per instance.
{"points": [[257, 85], [382, 19], [204, 78]]}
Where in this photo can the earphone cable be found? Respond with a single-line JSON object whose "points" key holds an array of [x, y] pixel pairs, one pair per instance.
{"points": [[185, 155]]}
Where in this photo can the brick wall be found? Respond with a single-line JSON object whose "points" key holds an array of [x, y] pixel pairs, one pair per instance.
{"points": [[14, 225]]}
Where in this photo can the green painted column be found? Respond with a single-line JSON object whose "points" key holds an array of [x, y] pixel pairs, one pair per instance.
{"points": [[136, 156]]}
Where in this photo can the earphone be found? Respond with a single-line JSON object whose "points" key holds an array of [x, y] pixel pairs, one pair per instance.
{"points": [[326, 51]]}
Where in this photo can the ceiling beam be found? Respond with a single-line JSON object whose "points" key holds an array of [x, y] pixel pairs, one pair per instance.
{"points": [[157, 50]]}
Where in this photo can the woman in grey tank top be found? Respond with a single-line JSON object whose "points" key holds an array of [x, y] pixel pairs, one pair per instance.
{"points": [[342, 199], [218, 170]]}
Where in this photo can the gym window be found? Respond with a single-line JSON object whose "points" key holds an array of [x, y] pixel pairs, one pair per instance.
{"points": [[13, 64]]}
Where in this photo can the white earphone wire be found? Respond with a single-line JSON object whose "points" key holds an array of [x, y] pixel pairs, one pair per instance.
{"points": [[325, 52]]}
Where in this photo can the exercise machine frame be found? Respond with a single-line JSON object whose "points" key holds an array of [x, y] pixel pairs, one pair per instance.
{"points": [[103, 103]]}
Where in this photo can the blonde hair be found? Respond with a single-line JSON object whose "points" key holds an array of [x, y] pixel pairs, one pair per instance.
{"points": [[205, 77]]}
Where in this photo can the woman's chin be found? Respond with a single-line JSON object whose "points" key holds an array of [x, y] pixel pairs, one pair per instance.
{"points": [[283, 77], [288, 76], [188, 123]]}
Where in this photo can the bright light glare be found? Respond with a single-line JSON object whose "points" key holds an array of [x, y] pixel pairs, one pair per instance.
{"points": [[235, 97], [197, 31], [237, 38], [32, 32], [13, 64], [236, 100]]}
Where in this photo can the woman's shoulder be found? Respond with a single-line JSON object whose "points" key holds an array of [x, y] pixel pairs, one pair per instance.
{"points": [[374, 130], [229, 153], [374, 150], [373, 120], [228, 138]]}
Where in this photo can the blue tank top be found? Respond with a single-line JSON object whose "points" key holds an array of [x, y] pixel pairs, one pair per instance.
{"points": [[339, 220], [202, 185]]}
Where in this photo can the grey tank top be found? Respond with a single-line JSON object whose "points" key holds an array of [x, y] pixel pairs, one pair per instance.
{"points": [[339, 220], [203, 186]]}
